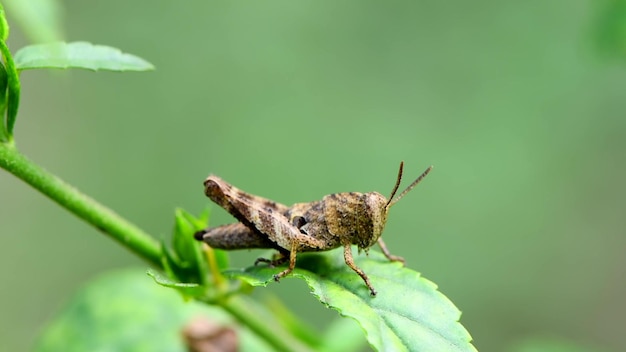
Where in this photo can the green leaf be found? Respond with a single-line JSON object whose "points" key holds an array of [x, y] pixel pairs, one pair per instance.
{"points": [[185, 226], [193, 225], [408, 314], [187, 261], [186, 289], [125, 311], [78, 55], [40, 20]]}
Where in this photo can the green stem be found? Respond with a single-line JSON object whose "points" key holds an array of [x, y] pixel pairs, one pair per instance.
{"points": [[272, 334], [81, 205]]}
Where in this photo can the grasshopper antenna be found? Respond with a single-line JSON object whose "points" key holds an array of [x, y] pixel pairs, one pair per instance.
{"points": [[392, 200], [395, 188]]}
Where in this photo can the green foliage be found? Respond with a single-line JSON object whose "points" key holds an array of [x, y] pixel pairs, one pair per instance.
{"points": [[408, 314], [125, 311], [189, 269], [78, 55], [184, 259]]}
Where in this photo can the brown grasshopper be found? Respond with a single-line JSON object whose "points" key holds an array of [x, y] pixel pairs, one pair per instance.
{"points": [[339, 219]]}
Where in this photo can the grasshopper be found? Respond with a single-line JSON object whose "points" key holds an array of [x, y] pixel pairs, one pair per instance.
{"points": [[338, 220]]}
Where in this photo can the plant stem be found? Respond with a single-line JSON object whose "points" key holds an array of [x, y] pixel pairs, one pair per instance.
{"points": [[94, 213], [272, 333]]}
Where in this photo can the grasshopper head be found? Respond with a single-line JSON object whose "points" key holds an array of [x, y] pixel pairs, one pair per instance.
{"points": [[357, 218], [378, 207], [371, 225], [361, 217]]}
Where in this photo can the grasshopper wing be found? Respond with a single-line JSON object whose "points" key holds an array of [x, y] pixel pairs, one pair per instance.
{"points": [[265, 216]]}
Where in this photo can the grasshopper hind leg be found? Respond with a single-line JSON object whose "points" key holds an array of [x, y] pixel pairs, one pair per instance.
{"points": [[292, 264]]}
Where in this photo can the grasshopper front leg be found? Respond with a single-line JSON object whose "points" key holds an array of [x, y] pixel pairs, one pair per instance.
{"points": [[347, 256]]}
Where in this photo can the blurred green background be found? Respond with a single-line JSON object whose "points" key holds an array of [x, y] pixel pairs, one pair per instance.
{"points": [[518, 104]]}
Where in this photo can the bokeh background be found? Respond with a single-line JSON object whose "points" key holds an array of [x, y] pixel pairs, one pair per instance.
{"points": [[518, 104]]}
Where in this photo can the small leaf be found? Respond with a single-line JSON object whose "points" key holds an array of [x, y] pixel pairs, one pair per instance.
{"points": [[222, 259], [408, 314], [188, 262], [182, 240], [200, 222], [163, 281], [170, 260], [78, 55], [175, 270], [192, 225], [186, 289]]}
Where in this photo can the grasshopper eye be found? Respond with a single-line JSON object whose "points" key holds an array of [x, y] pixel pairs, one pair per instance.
{"points": [[298, 222]]}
